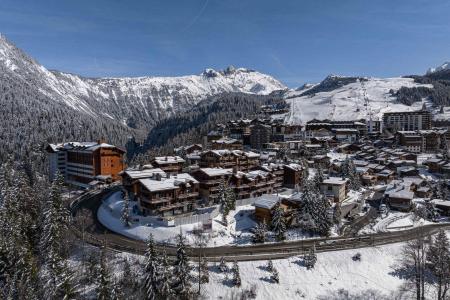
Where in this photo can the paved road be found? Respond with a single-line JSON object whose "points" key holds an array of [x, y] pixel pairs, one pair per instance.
{"points": [[95, 233]]}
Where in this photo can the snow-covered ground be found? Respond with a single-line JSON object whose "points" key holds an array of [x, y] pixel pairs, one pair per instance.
{"points": [[333, 271], [237, 232], [358, 100]]}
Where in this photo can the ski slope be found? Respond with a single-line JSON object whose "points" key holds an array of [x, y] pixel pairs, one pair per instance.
{"points": [[358, 100]]}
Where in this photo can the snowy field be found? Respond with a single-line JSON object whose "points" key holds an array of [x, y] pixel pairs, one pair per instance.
{"points": [[333, 271]]}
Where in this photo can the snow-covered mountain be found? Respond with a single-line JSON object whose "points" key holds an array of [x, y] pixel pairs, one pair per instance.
{"points": [[443, 67], [349, 98], [136, 102]]}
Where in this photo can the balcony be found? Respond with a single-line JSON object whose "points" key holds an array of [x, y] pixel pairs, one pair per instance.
{"points": [[157, 200], [188, 195]]}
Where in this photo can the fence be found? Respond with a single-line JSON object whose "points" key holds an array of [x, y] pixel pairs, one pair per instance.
{"points": [[197, 218]]}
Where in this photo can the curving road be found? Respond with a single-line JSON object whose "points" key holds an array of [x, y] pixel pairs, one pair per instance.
{"points": [[95, 233]]}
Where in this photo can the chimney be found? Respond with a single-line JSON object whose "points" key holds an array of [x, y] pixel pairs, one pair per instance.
{"points": [[101, 141]]}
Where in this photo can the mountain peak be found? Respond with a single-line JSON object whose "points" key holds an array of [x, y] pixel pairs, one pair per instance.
{"points": [[444, 66]]}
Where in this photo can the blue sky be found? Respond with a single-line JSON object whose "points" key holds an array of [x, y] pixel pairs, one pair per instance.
{"points": [[295, 41]]}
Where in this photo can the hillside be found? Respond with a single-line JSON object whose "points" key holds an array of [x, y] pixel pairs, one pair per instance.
{"points": [[349, 99], [38, 105]]}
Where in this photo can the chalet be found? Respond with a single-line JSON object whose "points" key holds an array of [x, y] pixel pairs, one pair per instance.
{"points": [[410, 140], [348, 135], [210, 179], [240, 160], [226, 143], [184, 150], [252, 184], [130, 178], [400, 199], [167, 196], [335, 188], [264, 207], [321, 160], [435, 164], [424, 192], [292, 175], [385, 176], [81, 163], [442, 205], [169, 164], [260, 134], [277, 170]]}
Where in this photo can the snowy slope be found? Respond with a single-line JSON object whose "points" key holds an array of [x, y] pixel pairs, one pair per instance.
{"points": [[133, 101], [353, 101], [443, 67], [333, 271]]}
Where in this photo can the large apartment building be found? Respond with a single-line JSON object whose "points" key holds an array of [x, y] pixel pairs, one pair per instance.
{"points": [[406, 121], [82, 163]]}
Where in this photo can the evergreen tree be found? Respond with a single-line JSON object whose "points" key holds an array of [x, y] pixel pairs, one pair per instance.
{"points": [[441, 191], [165, 287], [66, 288], [275, 276], [337, 214], [259, 233], [438, 257], [349, 171], [270, 265], [104, 287], [318, 177], [204, 271], [223, 265], [279, 223], [55, 222], [151, 271], [117, 292], [182, 269], [310, 259], [236, 275], [125, 217]]}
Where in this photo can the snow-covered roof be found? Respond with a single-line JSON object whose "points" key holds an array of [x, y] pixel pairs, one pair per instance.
{"points": [[212, 172], [146, 173], [165, 183], [83, 146], [266, 201], [163, 160], [402, 194], [335, 181], [226, 140]]}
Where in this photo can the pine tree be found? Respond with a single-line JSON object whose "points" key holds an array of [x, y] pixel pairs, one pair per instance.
{"points": [[125, 217], [236, 275], [204, 271], [165, 284], [55, 222], [349, 171], [275, 276], [223, 265], [66, 288], [318, 177], [182, 269], [337, 214], [104, 279], [279, 223], [438, 257], [117, 292], [310, 259], [259, 233], [270, 265], [441, 191], [151, 271], [231, 198]]}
